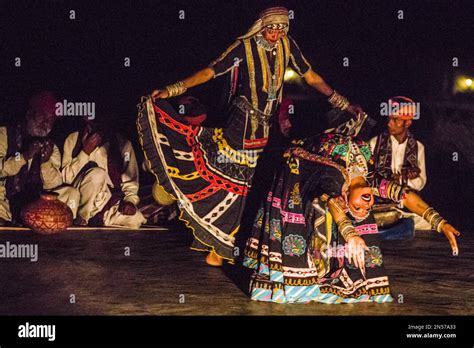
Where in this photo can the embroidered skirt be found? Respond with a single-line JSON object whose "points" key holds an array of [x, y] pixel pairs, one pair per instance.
{"points": [[297, 253], [208, 171]]}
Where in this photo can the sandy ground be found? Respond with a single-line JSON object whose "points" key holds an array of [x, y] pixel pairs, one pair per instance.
{"points": [[161, 276]]}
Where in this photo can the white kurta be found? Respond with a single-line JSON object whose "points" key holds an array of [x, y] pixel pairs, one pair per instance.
{"points": [[11, 166], [398, 157], [94, 184]]}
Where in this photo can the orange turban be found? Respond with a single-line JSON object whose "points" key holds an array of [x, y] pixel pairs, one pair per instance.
{"points": [[402, 107]]}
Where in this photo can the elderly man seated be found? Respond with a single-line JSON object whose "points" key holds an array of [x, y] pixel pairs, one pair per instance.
{"points": [[30, 161]]}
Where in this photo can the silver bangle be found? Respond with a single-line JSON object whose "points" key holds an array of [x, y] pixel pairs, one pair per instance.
{"points": [[338, 101]]}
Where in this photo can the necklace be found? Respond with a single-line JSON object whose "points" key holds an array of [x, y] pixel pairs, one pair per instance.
{"points": [[264, 43], [271, 79]]}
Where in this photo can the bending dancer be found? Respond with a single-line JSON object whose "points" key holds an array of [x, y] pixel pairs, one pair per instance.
{"points": [[315, 239], [209, 170]]}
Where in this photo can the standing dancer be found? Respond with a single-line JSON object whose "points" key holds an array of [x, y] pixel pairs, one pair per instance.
{"points": [[209, 170]]}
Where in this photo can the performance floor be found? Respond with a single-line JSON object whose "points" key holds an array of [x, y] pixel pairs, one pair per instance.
{"points": [[161, 276]]}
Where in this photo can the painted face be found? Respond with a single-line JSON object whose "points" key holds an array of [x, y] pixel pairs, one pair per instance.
{"points": [[396, 126], [274, 32], [360, 201]]}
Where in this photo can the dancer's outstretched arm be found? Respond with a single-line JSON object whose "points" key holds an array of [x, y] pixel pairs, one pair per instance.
{"points": [[202, 76], [416, 205], [318, 83], [355, 244]]}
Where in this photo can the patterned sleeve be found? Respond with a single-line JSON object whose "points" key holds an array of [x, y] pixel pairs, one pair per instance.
{"points": [[384, 188], [297, 61], [228, 60]]}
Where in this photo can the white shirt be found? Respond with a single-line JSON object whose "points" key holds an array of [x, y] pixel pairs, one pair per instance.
{"points": [[11, 166], [72, 166], [398, 156]]}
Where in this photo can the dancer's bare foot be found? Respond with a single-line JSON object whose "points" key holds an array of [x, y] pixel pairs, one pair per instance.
{"points": [[213, 259]]}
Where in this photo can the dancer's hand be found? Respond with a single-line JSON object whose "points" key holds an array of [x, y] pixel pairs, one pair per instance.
{"points": [[160, 94], [355, 252], [450, 232], [355, 109]]}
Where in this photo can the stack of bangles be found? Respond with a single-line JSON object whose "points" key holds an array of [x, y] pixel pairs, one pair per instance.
{"points": [[346, 228], [434, 219], [338, 101], [175, 89]]}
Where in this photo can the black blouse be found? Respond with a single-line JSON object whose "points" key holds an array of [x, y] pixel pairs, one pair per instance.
{"points": [[260, 72]]}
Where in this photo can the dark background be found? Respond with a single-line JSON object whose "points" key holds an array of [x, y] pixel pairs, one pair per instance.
{"points": [[83, 60]]}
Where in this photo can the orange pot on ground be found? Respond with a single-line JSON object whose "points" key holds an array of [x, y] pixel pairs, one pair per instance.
{"points": [[47, 215]]}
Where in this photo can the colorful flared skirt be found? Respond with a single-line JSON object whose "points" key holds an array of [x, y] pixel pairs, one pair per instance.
{"points": [[297, 253], [208, 171]]}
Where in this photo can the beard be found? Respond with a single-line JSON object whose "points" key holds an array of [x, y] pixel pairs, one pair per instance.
{"points": [[36, 129]]}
